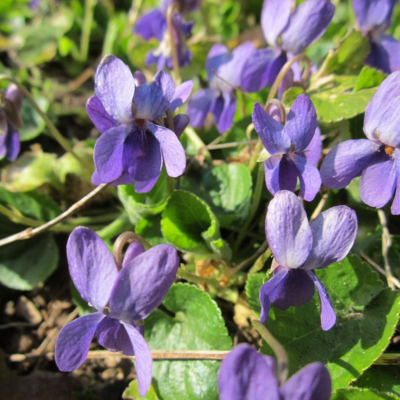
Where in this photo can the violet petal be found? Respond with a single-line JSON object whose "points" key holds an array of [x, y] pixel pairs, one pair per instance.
{"points": [[102, 121], [309, 176], [199, 106], [274, 18], [182, 93]]}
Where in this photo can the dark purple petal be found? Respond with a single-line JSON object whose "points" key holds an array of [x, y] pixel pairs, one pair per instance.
{"points": [[294, 290], [261, 69], [115, 87], [301, 122], [372, 14], [13, 144], [313, 151], [73, 341], [288, 174], [378, 183], [384, 54], [313, 382], [182, 93], [151, 25], [288, 232], [267, 290], [274, 18], [152, 99], [307, 23], [224, 109], [272, 133], [143, 283], [132, 251], [102, 121], [328, 316], [310, 179], [231, 69], [108, 153], [272, 172], [181, 121], [15, 95], [92, 267], [334, 232], [143, 359], [199, 106], [146, 186], [247, 375], [346, 161], [171, 148], [112, 335], [382, 119], [142, 158]]}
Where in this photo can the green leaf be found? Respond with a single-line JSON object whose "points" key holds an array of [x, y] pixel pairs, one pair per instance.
{"points": [[197, 325], [140, 205], [227, 189], [132, 392], [150, 229], [189, 224], [382, 378], [361, 394], [253, 284], [348, 56], [369, 78], [24, 265], [33, 123], [366, 319]]}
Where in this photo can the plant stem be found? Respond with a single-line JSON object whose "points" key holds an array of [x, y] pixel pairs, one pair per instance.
{"points": [[175, 58], [53, 130], [254, 206], [132, 16], [280, 353], [124, 239], [86, 29], [195, 278], [320, 206]]}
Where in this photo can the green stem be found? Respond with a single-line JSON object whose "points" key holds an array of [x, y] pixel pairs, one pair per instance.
{"points": [[116, 227], [254, 206], [86, 29], [280, 353], [53, 130], [195, 278], [132, 17], [198, 143]]}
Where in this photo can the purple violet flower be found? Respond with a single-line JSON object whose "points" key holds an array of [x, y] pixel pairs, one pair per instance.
{"points": [[185, 6], [373, 19], [376, 159], [121, 298], [220, 98], [300, 247], [289, 33], [128, 112], [246, 374], [154, 25], [294, 148], [10, 122]]}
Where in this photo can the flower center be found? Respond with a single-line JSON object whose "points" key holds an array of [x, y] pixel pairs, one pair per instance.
{"points": [[389, 150]]}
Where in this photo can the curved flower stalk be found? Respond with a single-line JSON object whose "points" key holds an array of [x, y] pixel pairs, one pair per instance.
{"points": [[293, 149], [10, 122], [299, 248], [373, 19], [245, 374], [289, 32], [154, 25], [220, 98], [377, 158], [128, 111], [185, 6], [122, 298]]}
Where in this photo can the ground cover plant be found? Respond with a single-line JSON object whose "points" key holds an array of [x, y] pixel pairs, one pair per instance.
{"points": [[199, 199]]}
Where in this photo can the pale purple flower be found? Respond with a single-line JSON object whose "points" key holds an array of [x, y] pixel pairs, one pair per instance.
{"points": [[154, 25], [300, 247], [289, 33], [376, 159], [294, 148], [129, 111], [220, 97], [185, 6], [246, 374], [374, 18], [120, 297], [10, 122]]}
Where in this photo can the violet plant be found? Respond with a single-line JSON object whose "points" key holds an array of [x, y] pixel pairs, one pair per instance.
{"points": [[123, 299]]}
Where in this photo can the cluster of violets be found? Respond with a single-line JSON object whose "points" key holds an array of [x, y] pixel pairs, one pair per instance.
{"points": [[139, 134]]}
